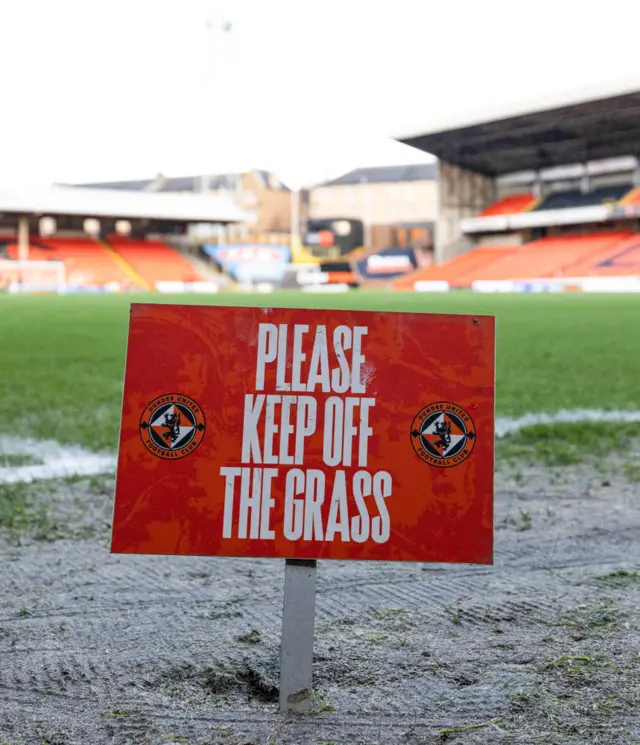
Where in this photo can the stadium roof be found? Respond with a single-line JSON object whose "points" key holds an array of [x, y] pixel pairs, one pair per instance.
{"points": [[387, 174], [594, 123], [61, 200], [189, 183]]}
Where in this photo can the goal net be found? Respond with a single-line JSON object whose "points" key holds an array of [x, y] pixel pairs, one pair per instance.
{"points": [[32, 276]]}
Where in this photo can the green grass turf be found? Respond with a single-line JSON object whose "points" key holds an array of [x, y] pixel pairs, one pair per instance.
{"points": [[62, 357]]}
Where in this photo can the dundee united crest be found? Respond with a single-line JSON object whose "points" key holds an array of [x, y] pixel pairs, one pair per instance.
{"points": [[172, 426], [443, 434]]}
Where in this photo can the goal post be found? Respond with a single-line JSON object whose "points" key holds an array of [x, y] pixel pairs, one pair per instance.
{"points": [[32, 276]]}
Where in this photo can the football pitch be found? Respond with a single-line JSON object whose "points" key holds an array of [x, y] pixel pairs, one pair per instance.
{"points": [[63, 356], [540, 647]]}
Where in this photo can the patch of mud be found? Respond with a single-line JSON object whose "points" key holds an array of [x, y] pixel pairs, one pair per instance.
{"points": [[228, 681], [541, 647]]}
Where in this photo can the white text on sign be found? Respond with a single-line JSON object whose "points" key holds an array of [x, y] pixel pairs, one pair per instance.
{"points": [[277, 427]]}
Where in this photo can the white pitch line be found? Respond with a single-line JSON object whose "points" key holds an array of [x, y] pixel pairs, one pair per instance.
{"points": [[54, 460], [59, 461], [506, 425], [85, 465]]}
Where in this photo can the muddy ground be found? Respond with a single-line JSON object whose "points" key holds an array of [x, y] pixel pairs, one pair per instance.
{"points": [[542, 647]]}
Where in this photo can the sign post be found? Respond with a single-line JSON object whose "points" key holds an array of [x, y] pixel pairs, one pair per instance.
{"points": [[306, 435], [296, 651]]}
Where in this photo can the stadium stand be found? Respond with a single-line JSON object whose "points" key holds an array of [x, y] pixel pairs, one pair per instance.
{"points": [[87, 262], [122, 261], [615, 253], [618, 260], [517, 203], [154, 261], [92, 265], [552, 256], [510, 205], [583, 142], [460, 271], [9, 250]]}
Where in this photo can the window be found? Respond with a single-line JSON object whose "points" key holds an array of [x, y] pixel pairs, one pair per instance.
{"points": [[409, 192], [323, 196]]}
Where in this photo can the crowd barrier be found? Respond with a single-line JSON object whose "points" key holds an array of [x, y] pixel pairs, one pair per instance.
{"points": [[187, 287], [427, 285], [564, 284]]}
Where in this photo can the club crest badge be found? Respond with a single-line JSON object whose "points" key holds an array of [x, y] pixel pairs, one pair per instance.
{"points": [[172, 426], [443, 434]]}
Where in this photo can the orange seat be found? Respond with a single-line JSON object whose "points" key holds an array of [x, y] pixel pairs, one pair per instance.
{"points": [[595, 254], [87, 262], [548, 257], [155, 261], [617, 260], [36, 253], [510, 205], [457, 271]]}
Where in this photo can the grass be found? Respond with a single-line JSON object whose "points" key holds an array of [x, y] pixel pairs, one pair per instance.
{"points": [[27, 509], [15, 460], [632, 472], [590, 619], [620, 578], [63, 358], [17, 513], [468, 727], [522, 522], [321, 704], [569, 658], [566, 444]]}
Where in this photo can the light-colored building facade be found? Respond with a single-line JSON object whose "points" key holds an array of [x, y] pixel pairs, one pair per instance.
{"points": [[388, 200]]}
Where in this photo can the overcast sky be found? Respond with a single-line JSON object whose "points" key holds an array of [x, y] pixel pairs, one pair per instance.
{"points": [[109, 89]]}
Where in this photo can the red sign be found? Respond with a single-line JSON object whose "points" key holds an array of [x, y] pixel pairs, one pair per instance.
{"points": [[317, 434]]}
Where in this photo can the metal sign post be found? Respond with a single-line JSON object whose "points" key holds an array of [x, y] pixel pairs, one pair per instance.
{"points": [[296, 653]]}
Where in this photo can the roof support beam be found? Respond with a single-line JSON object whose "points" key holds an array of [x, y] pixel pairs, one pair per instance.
{"points": [[23, 238]]}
